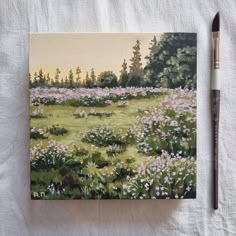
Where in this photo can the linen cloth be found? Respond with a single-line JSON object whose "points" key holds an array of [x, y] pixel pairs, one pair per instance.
{"points": [[21, 216]]}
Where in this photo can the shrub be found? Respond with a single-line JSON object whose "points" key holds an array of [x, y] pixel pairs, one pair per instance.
{"points": [[78, 151], [122, 104], [57, 130], [99, 113], [53, 156], [37, 113], [44, 100], [37, 133], [165, 176], [107, 79], [102, 136], [79, 113], [170, 127], [115, 149]]}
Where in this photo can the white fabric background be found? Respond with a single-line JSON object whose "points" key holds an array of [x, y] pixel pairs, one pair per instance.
{"points": [[21, 216]]}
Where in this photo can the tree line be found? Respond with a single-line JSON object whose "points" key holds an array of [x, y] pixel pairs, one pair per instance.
{"points": [[171, 63]]}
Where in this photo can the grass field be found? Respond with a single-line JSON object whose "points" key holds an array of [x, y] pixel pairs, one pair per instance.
{"points": [[121, 119], [162, 120]]}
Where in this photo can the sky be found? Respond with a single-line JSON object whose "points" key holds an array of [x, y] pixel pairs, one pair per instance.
{"points": [[101, 51]]}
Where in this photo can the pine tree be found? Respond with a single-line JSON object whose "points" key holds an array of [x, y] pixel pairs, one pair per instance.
{"points": [[62, 83], [153, 48], [87, 82], [93, 78], [135, 77], [41, 78], [123, 75], [48, 80], [52, 83], [66, 82], [136, 64], [71, 79], [78, 78], [57, 76], [35, 81], [161, 56], [150, 74]]}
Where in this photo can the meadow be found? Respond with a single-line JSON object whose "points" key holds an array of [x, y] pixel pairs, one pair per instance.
{"points": [[116, 143]]}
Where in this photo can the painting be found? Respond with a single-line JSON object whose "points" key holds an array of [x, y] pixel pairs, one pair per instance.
{"points": [[113, 115]]}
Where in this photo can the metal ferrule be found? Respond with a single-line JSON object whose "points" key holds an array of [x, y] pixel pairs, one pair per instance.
{"points": [[216, 56]]}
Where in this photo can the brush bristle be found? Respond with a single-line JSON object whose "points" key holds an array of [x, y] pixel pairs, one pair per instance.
{"points": [[216, 23]]}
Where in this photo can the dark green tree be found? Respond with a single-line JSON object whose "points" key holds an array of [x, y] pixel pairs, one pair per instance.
{"points": [[88, 82], [123, 81], [136, 64], [41, 78], [78, 77], [161, 52], [93, 78], [180, 70], [57, 78], [48, 80], [135, 76], [66, 83], [151, 75], [35, 81], [52, 83], [107, 79], [62, 84], [71, 79]]}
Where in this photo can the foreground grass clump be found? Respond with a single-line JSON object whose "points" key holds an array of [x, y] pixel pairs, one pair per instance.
{"points": [[37, 133], [54, 156], [102, 136], [38, 113], [57, 130]]}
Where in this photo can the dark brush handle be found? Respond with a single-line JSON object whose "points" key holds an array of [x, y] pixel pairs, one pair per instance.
{"points": [[215, 100]]}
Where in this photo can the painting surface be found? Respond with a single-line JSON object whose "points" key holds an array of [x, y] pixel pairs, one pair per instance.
{"points": [[113, 116]]}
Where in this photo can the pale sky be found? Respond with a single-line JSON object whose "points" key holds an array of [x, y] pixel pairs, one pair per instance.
{"points": [[101, 51]]}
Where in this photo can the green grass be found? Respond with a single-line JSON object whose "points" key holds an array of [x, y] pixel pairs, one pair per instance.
{"points": [[122, 119]]}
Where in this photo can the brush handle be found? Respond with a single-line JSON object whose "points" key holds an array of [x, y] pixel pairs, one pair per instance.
{"points": [[215, 101]]}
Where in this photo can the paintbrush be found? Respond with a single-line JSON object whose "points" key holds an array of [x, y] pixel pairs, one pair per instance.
{"points": [[215, 102]]}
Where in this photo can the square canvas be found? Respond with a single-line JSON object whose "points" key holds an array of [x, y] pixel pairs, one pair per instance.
{"points": [[113, 115]]}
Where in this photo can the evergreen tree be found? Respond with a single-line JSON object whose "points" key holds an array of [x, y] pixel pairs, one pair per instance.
{"points": [[52, 83], [135, 77], [87, 81], [71, 79], [161, 53], [153, 48], [136, 64], [78, 78], [66, 84], [93, 78], [41, 78], [62, 84], [151, 75], [57, 78], [181, 70], [123, 81], [48, 80], [35, 81]]}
